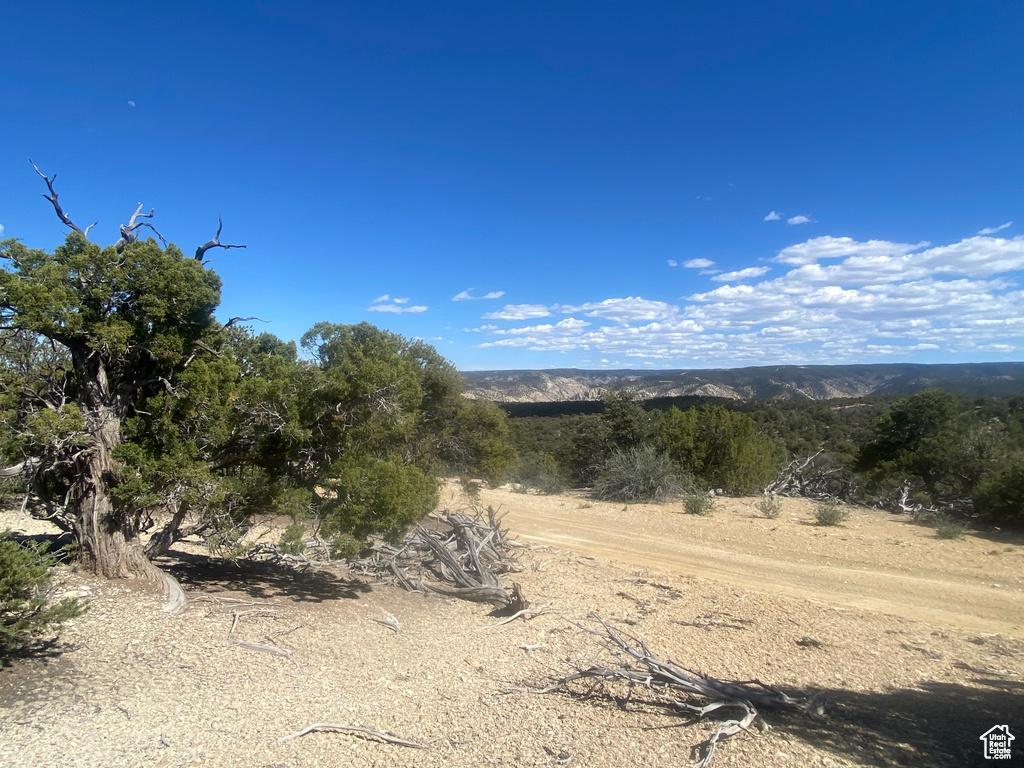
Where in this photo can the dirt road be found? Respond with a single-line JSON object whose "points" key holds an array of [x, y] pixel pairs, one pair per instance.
{"points": [[875, 561]]}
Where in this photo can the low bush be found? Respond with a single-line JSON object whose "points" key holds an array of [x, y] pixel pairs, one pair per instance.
{"points": [[540, 471], [769, 507], [698, 504], [948, 527], [830, 514], [27, 610], [638, 475]]}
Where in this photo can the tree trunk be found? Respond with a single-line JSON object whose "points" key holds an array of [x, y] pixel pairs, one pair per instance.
{"points": [[108, 537]]}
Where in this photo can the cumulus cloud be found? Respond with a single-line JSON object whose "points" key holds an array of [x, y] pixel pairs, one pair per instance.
{"points": [[671, 262], [397, 306], [518, 312], [741, 274], [698, 263], [993, 230], [874, 300], [828, 247], [467, 295], [629, 310], [801, 219], [773, 216]]}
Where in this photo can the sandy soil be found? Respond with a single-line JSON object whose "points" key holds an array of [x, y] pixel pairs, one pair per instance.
{"points": [[908, 680], [876, 560]]}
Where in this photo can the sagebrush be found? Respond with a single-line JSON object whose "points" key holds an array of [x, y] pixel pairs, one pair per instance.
{"points": [[639, 475]]}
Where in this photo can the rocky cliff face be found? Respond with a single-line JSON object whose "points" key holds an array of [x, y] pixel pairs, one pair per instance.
{"points": [[777, 382]]}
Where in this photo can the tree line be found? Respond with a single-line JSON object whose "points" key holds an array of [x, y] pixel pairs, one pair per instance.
{"points": [[932, 450]]}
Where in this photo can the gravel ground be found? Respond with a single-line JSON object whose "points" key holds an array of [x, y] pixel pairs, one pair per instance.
{"points": [[130, 685]]}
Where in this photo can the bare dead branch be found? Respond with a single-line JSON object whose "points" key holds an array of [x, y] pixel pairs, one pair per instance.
{"points": [[130, 231], [384, 736], [678, 689], [52, 197], [215, 243], [234, 320], [391, 623]]}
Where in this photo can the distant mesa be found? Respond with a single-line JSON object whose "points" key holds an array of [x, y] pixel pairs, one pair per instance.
{"points": [[788, 382]]}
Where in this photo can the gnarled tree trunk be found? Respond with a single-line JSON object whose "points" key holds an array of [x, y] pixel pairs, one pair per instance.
{"points": [[108, 537]]}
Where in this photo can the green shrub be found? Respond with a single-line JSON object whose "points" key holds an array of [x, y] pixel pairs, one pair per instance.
{"points": [[541, 471], [345, 546], [638, 475], [293, 539], [769, 507], [1000, 494], [830, 514], [947, 527], [26, 609], [698, 504]]}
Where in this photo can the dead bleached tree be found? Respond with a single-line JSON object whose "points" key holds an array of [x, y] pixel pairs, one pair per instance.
{"points": [[812, 477], [454, 554], [665, 684]]}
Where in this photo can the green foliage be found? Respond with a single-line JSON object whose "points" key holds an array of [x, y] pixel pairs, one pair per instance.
{"points": [[480, 444], [638, 475], [829, 514], [719, 448], [698, 504], [26, 608], [366, 495], [769, 506], [540, 471], [629, 424], [1000, 494], [293, 539], [948, 527]]}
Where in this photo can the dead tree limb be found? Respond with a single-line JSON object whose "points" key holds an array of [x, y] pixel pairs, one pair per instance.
{"points": [[463, 555], [215, 243], [130, 231], [679, 689], [52, 197], [384, 736]]}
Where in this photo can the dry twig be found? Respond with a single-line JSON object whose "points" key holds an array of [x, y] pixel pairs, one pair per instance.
{"points": [[389, 738]]}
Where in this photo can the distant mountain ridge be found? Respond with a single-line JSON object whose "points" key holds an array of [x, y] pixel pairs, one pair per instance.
{"points": [[786, 382]]}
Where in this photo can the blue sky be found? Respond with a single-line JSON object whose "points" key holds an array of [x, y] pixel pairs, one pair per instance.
{"points": [[568, 184]]}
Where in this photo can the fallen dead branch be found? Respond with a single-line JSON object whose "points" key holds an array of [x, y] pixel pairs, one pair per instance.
{"points": [[681, 690], [455, 554], [528, 613], [390, 622], [384, 736], [273, 650]]}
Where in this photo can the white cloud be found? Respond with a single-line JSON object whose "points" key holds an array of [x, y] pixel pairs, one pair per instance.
{"points": [[401, 301], [397, 307], [467, 295], [385, 297], [1, 229], [876, 300], [773, 216], [828, 247], [628, 310], [801, 219], [985, 231], [671, 262], [741, 274], [698, 263], [519, 312]]}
